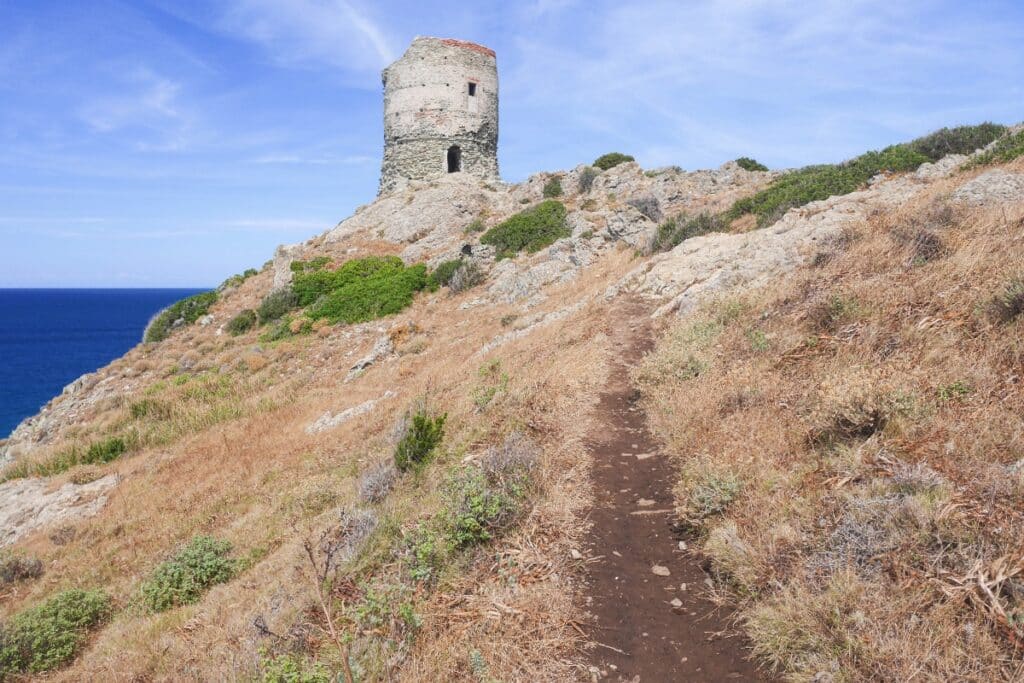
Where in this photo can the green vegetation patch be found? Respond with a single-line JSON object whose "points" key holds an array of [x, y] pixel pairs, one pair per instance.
{"points": [[675, 230], [530, 230], [360, 290], [422, 434], [611, 160], [242, 323], [814, 183], [553, 187], [442, 275], [1006, 149], [276, 304], [748, 164], [49, 635], [179, 314], [310, 266], [183, 579], [237, 279]]}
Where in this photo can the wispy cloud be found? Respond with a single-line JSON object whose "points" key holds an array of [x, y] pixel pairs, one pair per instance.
{"points": [[338, 33], [147, 103]]}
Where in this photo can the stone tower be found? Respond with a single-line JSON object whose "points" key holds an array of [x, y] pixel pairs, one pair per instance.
{"points": [[440, 112]]}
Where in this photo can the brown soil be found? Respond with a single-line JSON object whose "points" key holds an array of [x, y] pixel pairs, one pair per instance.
{"points": [[639, 634]]}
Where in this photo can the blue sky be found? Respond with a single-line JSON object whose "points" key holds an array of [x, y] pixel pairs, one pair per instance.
{"points": [[172, 143]]}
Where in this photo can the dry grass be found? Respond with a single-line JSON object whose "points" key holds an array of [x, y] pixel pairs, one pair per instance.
{"points": [[254, 477], [848, 444]]}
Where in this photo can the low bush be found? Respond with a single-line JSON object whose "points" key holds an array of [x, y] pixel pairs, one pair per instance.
{"points": [[15, 568], [310, 266], [959, 140], [476, 226], [706, 489], [179, 314], [360, 290], [419, 435], [1009, 304], [748, 164], [674, 231], [236, 280], [466, 276], [586, 181], [242, 323], [648, 206], [1006, 149], [49, 635], [814, 183], [377, 482], [276, 304], [104, 451], [292, 668], [553, 187], [475, 510], [611, 160], [442, 275], [530, 230], [183, 579]]}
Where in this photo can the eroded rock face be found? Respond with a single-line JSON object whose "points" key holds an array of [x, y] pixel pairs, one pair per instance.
{"points": [[992, 187], [29, 504], [712, 265]]}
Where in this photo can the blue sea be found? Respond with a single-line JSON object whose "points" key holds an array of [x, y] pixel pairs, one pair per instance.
{"points": [[50, 337]]}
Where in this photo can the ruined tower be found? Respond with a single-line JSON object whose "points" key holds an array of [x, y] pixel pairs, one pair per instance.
{"points": [[440, 112]]}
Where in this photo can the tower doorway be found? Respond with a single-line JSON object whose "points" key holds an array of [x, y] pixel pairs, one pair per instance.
{"points": [[454, 159]]}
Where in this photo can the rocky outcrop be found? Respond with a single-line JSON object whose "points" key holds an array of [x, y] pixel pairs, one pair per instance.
{"points": [[29, 504], [992, 187]]}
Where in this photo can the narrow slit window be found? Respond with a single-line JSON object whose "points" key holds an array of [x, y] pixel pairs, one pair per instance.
{"points": [[472, 89]]}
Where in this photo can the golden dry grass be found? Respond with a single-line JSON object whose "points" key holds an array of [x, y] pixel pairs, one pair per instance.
{"points": [[255, 477], [850, 445]]}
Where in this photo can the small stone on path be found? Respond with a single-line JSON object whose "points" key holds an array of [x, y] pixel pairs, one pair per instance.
{"points": [[659, 570]]}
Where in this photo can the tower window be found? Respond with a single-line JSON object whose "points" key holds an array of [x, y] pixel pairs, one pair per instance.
{"points": [[472, 89], [454, 159]]}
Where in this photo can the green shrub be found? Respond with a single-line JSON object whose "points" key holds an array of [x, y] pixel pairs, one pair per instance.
{"points": [[442, 275], [242, 323], [1009, 304], [814, 183], [1006, 149], [531, 229], [236, 280], [611, 160], [475, 510], [467, 276], [276, 304], [15, 568], [586, 181], [553, 187], [310, 266], [421, 435], [386, 293], [49, 635], [959, 140], [476, 226], [183, 579], [179, 314], [291, 668], [675, 230], [105, 451], [748, 164]]}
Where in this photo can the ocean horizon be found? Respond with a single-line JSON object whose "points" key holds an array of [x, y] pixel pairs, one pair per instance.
{"points": [[49, 337]]}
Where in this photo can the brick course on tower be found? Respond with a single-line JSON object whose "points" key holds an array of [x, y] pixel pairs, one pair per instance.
{"points": [[440, 113]]}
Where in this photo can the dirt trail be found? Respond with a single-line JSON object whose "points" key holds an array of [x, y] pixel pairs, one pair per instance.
{"points": [[641, 634]]}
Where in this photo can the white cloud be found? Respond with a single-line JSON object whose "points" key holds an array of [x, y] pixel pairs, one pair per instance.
{"points": [[147, 103], [333, 32]]}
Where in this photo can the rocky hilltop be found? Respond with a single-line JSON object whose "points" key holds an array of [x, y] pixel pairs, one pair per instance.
{"points": [[402, 488]]}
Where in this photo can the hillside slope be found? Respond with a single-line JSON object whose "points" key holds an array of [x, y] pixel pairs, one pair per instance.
{"points": [[232, 488]]}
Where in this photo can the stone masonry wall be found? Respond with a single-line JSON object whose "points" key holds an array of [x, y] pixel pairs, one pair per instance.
{"points": [[428, 108]]}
